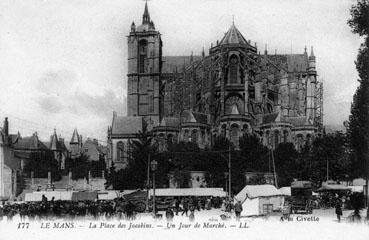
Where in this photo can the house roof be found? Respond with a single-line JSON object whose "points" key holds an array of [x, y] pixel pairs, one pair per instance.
{"points": [[255, 191], [75, 136], [54, 142], [127, 125], [30, 143]]}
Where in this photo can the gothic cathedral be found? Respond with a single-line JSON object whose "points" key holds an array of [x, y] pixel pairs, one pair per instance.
{"points": [[232, 91]]}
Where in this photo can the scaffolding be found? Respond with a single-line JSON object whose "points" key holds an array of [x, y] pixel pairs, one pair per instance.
{"points": [[318, 96]]}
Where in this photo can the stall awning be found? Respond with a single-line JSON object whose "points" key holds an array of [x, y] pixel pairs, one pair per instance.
{"points": [[84, 196], [332, 186], [177, 192]]}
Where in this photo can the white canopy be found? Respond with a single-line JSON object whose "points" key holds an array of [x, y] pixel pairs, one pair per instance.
{"points": [[255, 191], [285, 191], [176, 192], [58, 195], [357, 188]]}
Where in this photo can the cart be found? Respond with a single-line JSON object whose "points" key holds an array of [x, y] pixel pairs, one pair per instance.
{"points": [[301, 197]]}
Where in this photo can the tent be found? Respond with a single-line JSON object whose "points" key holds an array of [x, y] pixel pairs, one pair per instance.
{"points": [[259, 199]]}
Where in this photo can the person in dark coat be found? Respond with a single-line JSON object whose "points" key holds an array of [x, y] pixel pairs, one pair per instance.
{"points": [[338, 209], [185, 207], [238, 210], [169, 215], [176, 204]]}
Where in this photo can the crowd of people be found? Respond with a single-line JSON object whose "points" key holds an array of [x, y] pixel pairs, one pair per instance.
{"points": [[54, 209], [119, 208], [188, 205]]}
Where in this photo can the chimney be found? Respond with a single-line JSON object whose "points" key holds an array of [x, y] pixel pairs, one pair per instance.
{"points": [[6, 127]]}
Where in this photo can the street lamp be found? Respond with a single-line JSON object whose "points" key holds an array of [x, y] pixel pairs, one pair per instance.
{"points": [[154, 166], [226, 181]]}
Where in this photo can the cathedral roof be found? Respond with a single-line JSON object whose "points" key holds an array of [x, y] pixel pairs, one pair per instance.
{"points": [[173, 64], [127, 125], [233, 36], [291, 62]]}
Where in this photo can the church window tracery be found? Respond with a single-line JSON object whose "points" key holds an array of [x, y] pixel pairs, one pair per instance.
{"points": [[142, 49], [233, 69]]}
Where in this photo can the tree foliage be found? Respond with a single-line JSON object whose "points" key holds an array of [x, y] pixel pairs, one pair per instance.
{"points": [[40, 163], [82, 165], [359, 119], [359, 21]]}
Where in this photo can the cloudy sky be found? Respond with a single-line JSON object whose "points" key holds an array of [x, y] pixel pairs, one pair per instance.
{"points": [[63, 62]]}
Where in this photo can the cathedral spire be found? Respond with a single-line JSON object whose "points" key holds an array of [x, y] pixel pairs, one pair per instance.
{"points": [[146, 15], [312, 51]]}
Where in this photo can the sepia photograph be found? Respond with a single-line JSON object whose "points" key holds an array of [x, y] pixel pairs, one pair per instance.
{"points": [[189, 119]]}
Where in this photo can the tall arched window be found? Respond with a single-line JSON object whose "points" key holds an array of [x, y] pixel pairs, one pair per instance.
{"points": [[267, 137], [161, 140], [285, 136], [120, 151], [233, 69], [170, 138], [194, 136], [299, 142], [151, 102], [235, 135], [223, 131], [308, 140], [245, 129], [142, 55], [203, 139], [276, 138], [186, 135]]}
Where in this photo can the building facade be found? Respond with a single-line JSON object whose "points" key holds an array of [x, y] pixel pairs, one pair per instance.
{"points": [[10, 166], [231, 91]]}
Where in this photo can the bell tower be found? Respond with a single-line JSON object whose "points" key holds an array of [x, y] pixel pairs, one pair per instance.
{"points": [[144, 70]]}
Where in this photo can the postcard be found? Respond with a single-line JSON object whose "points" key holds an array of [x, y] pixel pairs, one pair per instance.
{"points": [[184, 119]]}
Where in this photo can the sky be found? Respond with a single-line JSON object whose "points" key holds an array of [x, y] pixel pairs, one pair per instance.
{"points": [[63, 63]]}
